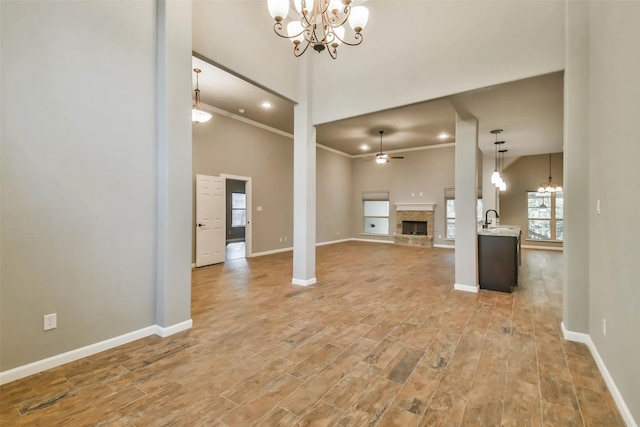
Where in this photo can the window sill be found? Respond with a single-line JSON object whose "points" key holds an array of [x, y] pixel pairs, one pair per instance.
{"points": [[544, 241]]}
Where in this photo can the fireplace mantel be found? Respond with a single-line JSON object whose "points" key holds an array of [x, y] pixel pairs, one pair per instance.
{"points": [[415, 206]]}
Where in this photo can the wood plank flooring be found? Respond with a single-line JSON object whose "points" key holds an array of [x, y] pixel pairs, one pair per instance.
{"points": [[381, 340]]}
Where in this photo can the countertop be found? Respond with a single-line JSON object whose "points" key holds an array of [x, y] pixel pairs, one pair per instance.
{"points": [[501, 230]]}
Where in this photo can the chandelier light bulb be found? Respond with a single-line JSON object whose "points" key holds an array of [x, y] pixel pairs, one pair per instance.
{"points": [[380, 160], [278, 9], [503, 186], [359, 18]]}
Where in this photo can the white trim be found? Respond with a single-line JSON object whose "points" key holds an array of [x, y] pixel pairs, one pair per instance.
{"points": [[415, 207], [608, 379], [371, 240], [465, 288], [248, 190], [274, 251], [173, 329], [333, 150], [245, 120], [303, 282], [193, 265], [444, 246], [89, 350], [331, 242], [402, 150], [546, 248]]}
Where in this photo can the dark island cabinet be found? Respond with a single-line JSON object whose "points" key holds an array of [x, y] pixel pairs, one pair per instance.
{"points": [[498, 261]]}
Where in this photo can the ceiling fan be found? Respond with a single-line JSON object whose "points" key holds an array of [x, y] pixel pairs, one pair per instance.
{"points": [[384, 157]]}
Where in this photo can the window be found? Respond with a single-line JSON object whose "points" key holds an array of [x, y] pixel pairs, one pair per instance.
{"points": [[238, 210], [376, 212], [450, 206], [546, 214]]}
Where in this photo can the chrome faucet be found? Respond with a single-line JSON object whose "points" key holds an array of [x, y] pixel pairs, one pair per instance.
{"points": [[486, 217]]}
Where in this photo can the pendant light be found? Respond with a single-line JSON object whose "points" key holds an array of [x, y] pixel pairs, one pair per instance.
{"points": [[495, 176], [503, 184], [198, 115], [549, 186]]}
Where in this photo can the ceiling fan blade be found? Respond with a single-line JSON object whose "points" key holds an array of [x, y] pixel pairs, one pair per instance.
{"points": [[396, 157]]}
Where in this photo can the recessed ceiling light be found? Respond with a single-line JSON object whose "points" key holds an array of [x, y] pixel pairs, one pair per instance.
{"points": [[241, 110], [443, 135], [364, 147], [266, 104]]}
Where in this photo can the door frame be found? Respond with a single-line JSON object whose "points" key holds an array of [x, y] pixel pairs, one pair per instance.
{"points": [[248, 231]]}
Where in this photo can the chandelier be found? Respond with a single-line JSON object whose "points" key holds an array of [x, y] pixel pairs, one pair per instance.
{"points": [[550, 186], [319, 23]]}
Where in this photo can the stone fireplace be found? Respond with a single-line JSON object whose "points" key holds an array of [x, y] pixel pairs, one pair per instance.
{"points": [[414, 224]]}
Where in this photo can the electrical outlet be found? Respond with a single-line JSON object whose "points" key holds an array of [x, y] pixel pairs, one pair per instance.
{"points": [[337, 233], [50, 321], [280, 239], [604, 327], [598, 206], [285, 238]]}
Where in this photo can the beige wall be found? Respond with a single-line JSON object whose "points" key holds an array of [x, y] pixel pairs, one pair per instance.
{"points": [[227, 146], [614, 235], [424, 171], [79, 171], [526, 174], [333, 196]]}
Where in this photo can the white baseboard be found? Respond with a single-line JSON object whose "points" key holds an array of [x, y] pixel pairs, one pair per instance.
{"points": [[332, 242], [465, 288], [608, 379], [193, 265], [543, 248], [173, 329], [304, 282], [275, 251], [89, 350], [371, 240], [444, 246]]}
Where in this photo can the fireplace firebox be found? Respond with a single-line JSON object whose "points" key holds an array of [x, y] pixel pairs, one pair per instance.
{"points": [[414, 228]]}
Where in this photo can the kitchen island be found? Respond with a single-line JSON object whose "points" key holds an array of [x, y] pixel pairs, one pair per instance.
{"points": [[499, 257]]}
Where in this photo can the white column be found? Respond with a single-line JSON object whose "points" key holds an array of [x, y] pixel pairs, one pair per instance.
{"points": [[575, 280], [174, 188], [304, 181], [466, 195]]}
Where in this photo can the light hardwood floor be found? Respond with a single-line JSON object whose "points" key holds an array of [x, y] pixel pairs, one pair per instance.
{"points": [[382, 339]]}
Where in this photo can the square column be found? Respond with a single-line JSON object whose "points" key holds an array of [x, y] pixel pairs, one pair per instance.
{"points": [[304, 181], [466, 278]]}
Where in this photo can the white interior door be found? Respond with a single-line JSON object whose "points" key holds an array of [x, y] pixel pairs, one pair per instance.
{"points": [[210, 220]]}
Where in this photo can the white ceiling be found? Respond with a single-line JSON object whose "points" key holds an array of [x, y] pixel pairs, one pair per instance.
{"points": [[530, 111]]}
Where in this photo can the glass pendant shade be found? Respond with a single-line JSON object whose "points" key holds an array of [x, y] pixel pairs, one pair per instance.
{"points": [[503, 186], [381, 159], [335, 6], [359, 18], [199, 116], [295, 30], [495, 177], [278, 9]]}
